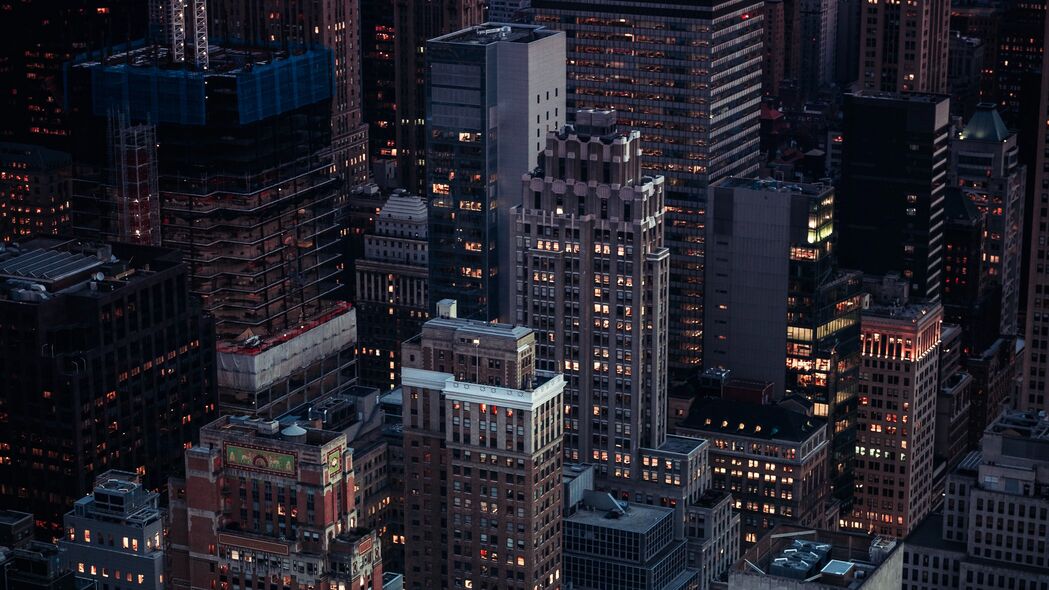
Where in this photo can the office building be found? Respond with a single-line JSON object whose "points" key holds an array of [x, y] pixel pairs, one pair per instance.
{"points": [[592, 276], [985, 166], [693, 90], [994, 372], [903, 47], [416, 23], [712, 532], [266, 501], [482, 442], [392, 289], [773, 67], [506, 11], [331, 24], [965, 72], [108, 364], [615, 545], [1033, 391], [819, 40], [953, 401], [795, 558], [35, 192], [41, 36], [480, 88], [772, 459], [249, 197], [115, 535], [970, 298], [992, 530], [792, 319], [894, 173], [895, 442]]}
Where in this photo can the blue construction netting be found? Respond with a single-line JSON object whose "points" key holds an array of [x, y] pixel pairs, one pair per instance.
{"points": [[178, 96]]}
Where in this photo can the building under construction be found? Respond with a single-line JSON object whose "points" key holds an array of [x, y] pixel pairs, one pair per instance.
{"points": [[244, 173]]}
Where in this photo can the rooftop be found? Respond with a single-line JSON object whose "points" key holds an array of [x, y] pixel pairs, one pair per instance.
{"points": [[683, 445], [601, 510], [243, 427], [985, 125], [929, 533], [489, 33], [11, 517], [751, 420], [777, 186], [1016, 424]]}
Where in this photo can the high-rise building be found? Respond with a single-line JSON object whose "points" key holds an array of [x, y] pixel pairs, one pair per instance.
{"points": [[493, 93], [819, 44], [267, 502], [772, 459], [248, 195], [35, 192], [379, 80], [773, 47], [792, 319], [332, 24], [611, 544], [119, 508], [107, 363], [894, 173], [40, 37], [895, 442], [38, 565], [1033, 395], [591, 281], [970, 298], [903, 47], [482, 441], [965, 72], [506, 11], [992, 530], [414, 23], [392, 285], [692, 87], [985, 166]]}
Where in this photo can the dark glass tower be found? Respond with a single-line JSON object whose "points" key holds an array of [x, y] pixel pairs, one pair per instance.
{"points": [[894, 175]]}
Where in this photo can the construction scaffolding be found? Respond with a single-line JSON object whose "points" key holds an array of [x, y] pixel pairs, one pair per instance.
{"points": [[134, 180], [198, 20]]}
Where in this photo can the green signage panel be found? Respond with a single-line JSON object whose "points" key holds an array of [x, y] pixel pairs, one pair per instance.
{"points": [[260, 459]]}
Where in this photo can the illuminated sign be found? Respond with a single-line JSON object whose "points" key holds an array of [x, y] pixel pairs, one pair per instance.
{"points": [[260, 460]]}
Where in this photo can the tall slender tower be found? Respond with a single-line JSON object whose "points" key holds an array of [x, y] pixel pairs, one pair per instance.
{"points": [[482, 442], [688, 77], [493, 92], [1033, 395], [897, 416], [591, 280]]}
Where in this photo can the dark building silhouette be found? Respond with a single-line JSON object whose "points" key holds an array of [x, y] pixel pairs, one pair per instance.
{"points": [[890, 198], [107, 363]]}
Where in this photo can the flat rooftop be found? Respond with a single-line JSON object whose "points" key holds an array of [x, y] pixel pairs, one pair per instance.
{"points": [[489, 33], [636, 518], [11, 517], [776, 186], [683, 445], [1029, 425]]}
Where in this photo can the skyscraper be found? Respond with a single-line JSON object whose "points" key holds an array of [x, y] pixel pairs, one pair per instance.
{"points": [[894, 173], [1033, 394], [819, 43], [903, 46], [780, 311], [985, 166], [897, 417], [592, 282], [35, 192], [107, 363], [416, 22], [482, 442], [391, 288], [333, 24], [493, 92], [690, 82]]}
